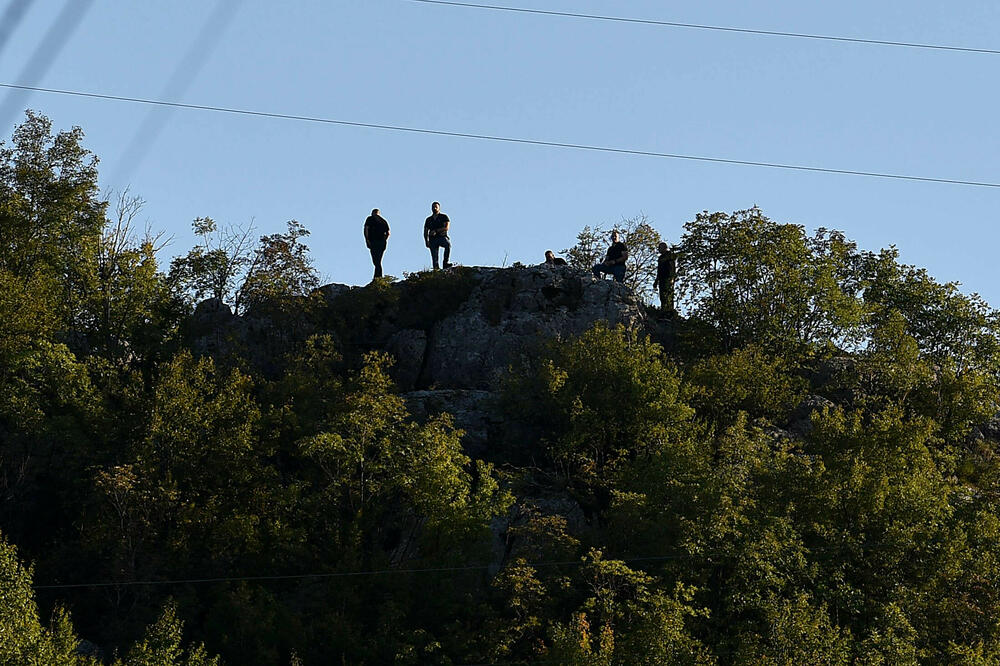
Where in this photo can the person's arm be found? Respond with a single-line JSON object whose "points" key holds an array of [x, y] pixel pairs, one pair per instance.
{"points": [[447, 225], [624, 257], [368, 242]]}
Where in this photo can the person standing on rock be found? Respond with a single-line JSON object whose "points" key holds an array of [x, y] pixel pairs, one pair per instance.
{"points": [[436, 235], [376, 238], [614, 260], [666, 274]]}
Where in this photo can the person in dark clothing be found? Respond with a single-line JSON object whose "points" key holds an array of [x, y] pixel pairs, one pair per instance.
{"points": [[614, 260], [666, 273], [436, 235], [376, 238], [552, 260]]}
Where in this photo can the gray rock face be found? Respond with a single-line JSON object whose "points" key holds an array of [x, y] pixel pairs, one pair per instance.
{"points": [[453, 334], [331, 292], [408, 347], [472, 410], [511, 312], [213, 327], [801, 420]]}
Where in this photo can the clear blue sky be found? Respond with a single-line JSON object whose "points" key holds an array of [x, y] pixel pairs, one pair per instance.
{"points": [[847, 106]]}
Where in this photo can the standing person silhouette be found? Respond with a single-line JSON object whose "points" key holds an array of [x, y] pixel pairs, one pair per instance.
{"points": [[666, 275], [436, 235], [376, 238]]}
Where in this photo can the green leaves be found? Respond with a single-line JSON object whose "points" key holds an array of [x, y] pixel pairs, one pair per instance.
{"points": [[758, 281], [601, 399]]}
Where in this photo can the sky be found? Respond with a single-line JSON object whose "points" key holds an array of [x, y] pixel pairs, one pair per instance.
{"points": [[654, 88]]}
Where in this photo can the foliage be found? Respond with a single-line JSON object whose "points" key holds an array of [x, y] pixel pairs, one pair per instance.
{"points": [[757, 281], [639, 237], [213, 268], [745, 380], [806, 470], [600, 400], [281, 268], [23, 639], [161, 646], [50, 217]]}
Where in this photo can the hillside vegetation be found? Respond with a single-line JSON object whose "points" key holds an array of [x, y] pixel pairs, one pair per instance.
{"points": [[799, 469]]}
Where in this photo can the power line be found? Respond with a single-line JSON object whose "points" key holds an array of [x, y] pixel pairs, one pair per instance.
{"points": [[507, 139], [718, 28]]}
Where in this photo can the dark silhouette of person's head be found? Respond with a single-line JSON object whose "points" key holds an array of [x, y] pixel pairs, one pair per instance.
{"points": [[374, 211], [435, 207], [663, 247], [615, 236], [549, 255]]}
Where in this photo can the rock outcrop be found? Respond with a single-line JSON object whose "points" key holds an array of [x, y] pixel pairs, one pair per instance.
{"points": [[509, 313], [452, 333]]}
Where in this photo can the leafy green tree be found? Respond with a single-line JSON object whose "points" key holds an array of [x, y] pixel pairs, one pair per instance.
{"points": [[131, 307], [50, 221], [744, 380], [214, 267], [947, 325], [24, 641], [755, 280], [162, 645], [798, 633], [371, 456], [599, 400], [625, 620], [281, 268]]}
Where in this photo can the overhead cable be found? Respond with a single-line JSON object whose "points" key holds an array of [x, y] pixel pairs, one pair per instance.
{"points": [[719, 28], [508, 139]]}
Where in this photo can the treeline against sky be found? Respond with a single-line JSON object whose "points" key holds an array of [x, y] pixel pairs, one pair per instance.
{"points": [[806, 473]]}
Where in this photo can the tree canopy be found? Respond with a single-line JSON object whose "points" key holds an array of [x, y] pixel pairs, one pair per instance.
{"points": [[800, 467]]}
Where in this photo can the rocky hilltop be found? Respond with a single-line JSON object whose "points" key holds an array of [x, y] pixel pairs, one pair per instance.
{"points": [[452, 333]]}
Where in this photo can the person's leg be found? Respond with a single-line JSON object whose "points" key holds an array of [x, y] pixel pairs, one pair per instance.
{"points": [[377, 252], [598, 271], [618, 271], [664, 297], [446, 244], [434, 253]]}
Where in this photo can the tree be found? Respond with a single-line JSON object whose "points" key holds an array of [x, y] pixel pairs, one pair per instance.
{"points": [[213, 268], [162, 645], [23, 639], [132, 307], [641, 239], [281, 268], [599, 400], [50, 224], [755, 280]]}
